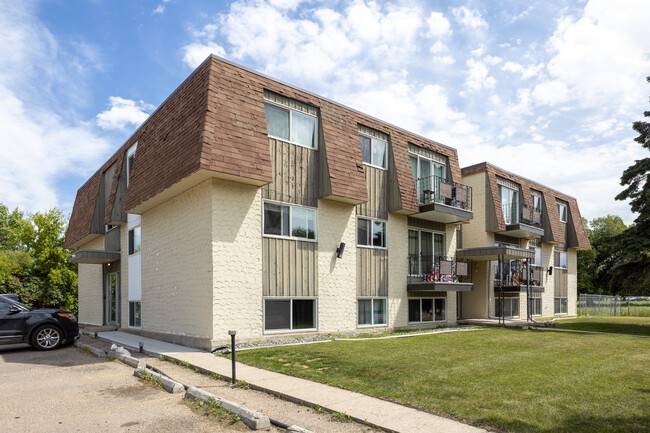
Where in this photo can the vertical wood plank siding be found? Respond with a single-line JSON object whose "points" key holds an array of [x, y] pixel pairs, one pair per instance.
{"points": [[561, 282], [376, 206], [289, 268], [372, 272]]}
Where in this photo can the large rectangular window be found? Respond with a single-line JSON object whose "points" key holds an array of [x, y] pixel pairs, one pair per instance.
{"points": [[373, 151], [537, 306], [371, 311], [509, 204], [294, 222], [427, 310], [371, 233], [134, 241], [135, 314], [291, 126], [425, 250], [510, 307], [290, 314]]}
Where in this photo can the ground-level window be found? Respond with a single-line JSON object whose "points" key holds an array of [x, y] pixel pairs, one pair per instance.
{"points": [[371, 311], [561, 305], [290, 314], [427, 310], [510, 307], [135, 314], [537, 307]]}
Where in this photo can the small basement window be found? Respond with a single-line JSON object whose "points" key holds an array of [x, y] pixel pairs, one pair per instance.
{"points": [[290, 314], [371, 311], [424, 310]]}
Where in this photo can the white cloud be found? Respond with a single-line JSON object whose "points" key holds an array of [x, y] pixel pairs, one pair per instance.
{"points": [[196, 52], [445, 60], [469, 17], [438, 25], [603, 56], [477, 76], [123, 113], [42, 140], [438, 47], [550, 92], [160, 8], [526, 72]]}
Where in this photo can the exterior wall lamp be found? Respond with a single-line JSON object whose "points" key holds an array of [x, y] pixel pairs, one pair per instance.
{"points": [[550, 270], [339, 250]]}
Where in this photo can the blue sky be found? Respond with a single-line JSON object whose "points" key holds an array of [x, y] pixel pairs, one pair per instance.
{"points": [[546, 89]]}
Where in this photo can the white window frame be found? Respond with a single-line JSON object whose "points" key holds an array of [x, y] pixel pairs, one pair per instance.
{"points": [[291, 110], [514, 219], [290, 206], [537, 196], [356, 230], [534, 300], [129, 318], [130, 152], [372, 140], [128, 241], [291, 299], [566, 304], [561, 206], [372, 307], [509, 299], [564, 254], [434, 306]]}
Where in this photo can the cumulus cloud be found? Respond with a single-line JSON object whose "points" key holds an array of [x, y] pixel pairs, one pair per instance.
{"points": [[196, 52], [471, 18], [42, 142], [160, 8], [123, 113], [438, 25], [477, 76]]}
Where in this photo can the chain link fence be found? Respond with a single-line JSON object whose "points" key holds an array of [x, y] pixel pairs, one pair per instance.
{"points": [[605, 305]]}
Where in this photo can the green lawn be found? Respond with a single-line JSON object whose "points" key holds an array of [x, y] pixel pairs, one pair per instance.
{"points": [[616, 324], [510, 380]]}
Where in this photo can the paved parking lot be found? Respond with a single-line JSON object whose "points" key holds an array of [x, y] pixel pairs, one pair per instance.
{"points": [[68, 390]]}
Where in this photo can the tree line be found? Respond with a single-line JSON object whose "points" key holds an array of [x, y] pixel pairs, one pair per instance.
{"points": [[33, 262]]}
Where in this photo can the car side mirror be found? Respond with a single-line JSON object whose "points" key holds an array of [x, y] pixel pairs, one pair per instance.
{"points": [[14, 310]]}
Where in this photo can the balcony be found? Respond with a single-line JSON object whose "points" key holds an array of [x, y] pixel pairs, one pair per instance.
{"points": [[515, 275], [443, 201], [525, 223], [439, 273]]}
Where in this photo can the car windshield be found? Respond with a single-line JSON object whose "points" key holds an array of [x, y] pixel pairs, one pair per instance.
{"points": [[20, 304]]}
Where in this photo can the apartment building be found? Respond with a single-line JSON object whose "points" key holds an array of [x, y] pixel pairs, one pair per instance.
{"points": [[246, 203], [523, 242]]}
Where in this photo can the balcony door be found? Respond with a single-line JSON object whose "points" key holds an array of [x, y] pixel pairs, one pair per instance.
{"points": [[427, 175], [111, 299], [425, 250], [509, 204]]}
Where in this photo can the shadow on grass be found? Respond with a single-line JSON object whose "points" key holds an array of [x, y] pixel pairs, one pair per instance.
{"points": [[574, 424]]}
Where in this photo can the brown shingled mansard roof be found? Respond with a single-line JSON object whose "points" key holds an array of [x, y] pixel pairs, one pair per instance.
{"points": [[550, 196], [214, 123]]}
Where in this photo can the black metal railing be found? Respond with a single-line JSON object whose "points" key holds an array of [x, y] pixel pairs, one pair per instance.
{"points": [[430, 269], [435, 189], [517, 273], [529, 216]]}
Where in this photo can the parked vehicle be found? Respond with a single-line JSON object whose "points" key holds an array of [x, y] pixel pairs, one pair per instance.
{"points": [[44, 329], [12, 296]]}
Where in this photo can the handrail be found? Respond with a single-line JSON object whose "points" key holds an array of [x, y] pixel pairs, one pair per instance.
{"points": [[436, 189], [427, 268]]}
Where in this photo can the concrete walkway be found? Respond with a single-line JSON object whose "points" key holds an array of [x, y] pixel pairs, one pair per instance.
{"points": [[376, 412]]}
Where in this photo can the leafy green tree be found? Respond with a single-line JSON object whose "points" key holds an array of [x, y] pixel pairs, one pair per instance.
{"points": [[631, 275], [595, 265], [33, 262]]}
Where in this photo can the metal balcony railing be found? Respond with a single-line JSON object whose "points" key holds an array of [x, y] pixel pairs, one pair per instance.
{"points": [[517, 273], [435, 189], [429, 269], [529, 216]]}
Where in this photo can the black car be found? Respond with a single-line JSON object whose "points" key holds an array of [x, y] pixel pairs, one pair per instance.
{"points": [[44, 329]]}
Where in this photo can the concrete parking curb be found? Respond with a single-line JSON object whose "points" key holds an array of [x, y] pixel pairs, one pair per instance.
{"points": [[95, 351], [133, 362], [251, 418], [168, 385]]}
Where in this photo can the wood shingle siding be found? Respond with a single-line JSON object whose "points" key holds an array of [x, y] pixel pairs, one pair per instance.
{"points": [[289, 268]]}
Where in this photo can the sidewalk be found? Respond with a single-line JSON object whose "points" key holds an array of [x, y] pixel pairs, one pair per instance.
{"points": [[377, 412]]}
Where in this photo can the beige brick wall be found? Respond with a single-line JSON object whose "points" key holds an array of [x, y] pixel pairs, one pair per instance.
{"points": [[337, 292], [236, 252], [572, 286], [91, 298], [549, 281], [124, 276], [177, 265], [397, 271], [474, 234]]}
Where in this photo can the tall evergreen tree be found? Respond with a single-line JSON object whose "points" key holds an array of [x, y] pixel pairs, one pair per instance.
{"points": [[632, 274]]}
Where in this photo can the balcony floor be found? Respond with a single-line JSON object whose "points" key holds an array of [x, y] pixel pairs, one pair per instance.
{"points": [[444, 213]]}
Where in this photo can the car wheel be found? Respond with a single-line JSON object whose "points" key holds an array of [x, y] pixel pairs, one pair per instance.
{"points": [[47, 337]]}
